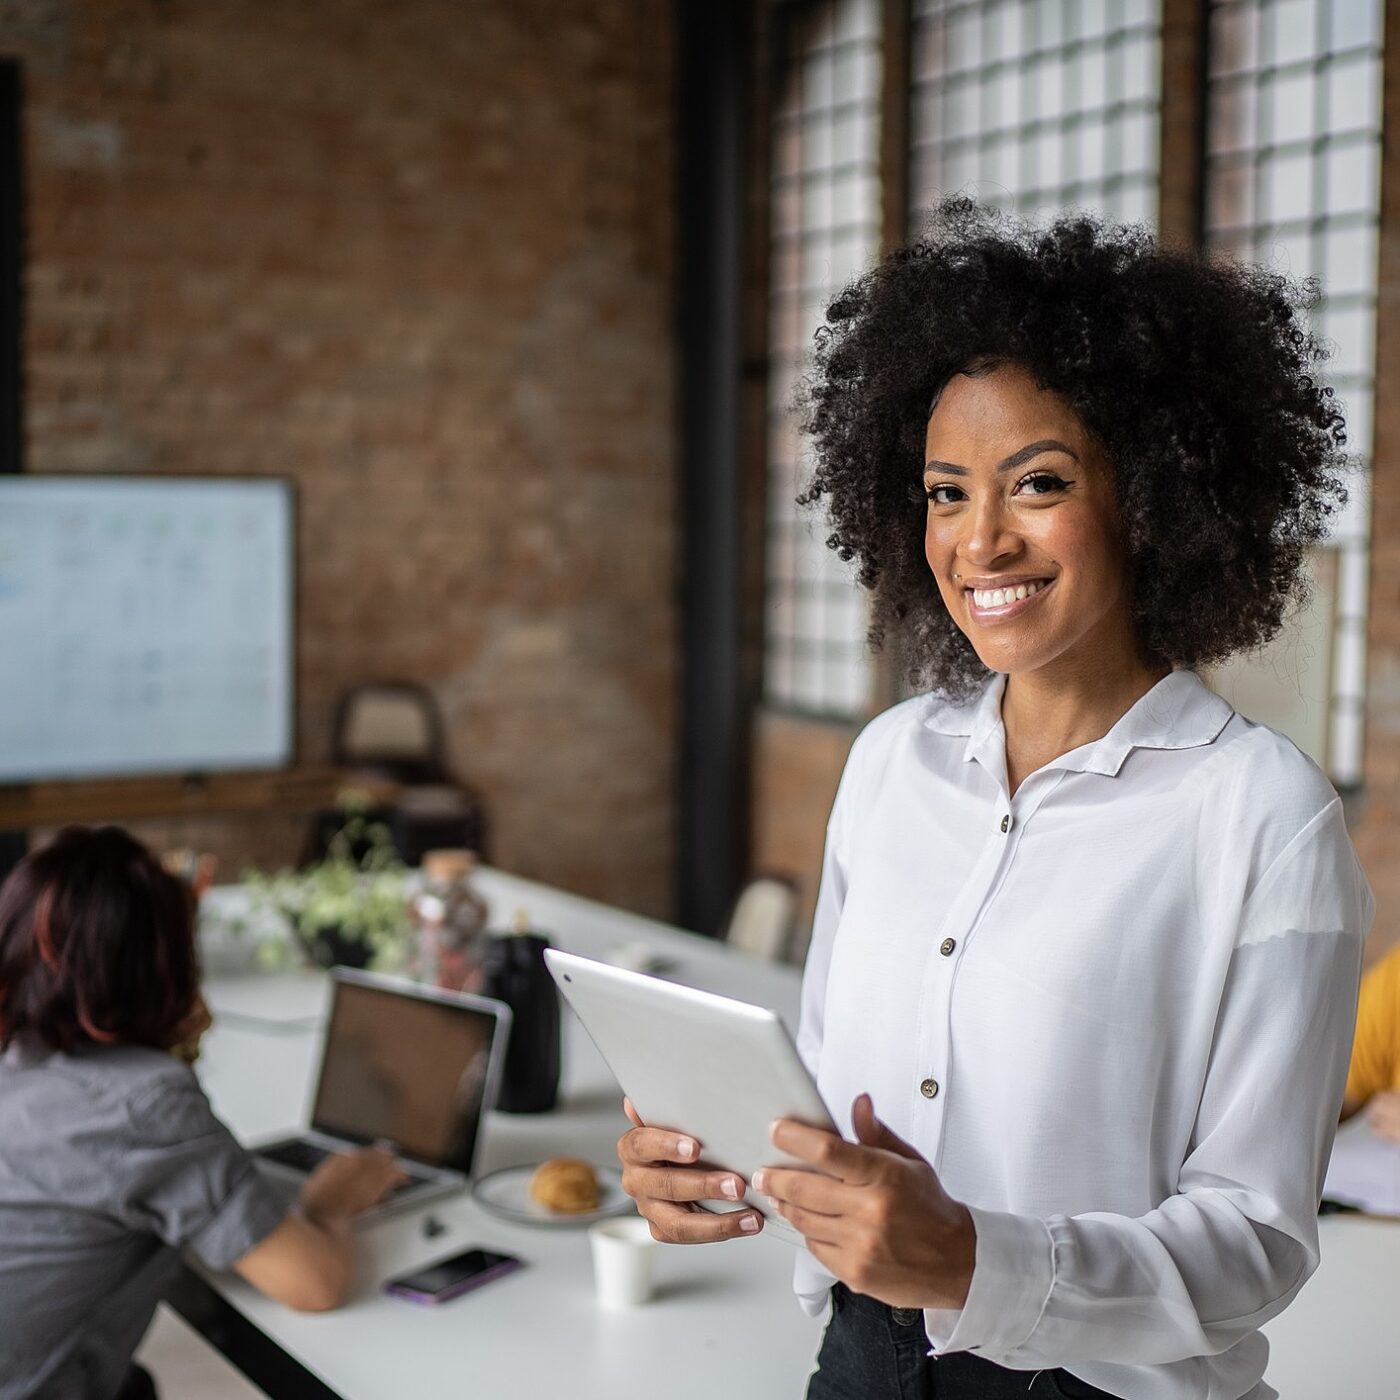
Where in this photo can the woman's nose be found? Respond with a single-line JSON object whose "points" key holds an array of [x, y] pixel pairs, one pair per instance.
{"points": [[987, 535]]}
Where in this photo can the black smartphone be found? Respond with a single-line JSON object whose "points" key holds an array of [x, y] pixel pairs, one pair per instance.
{"points": [[448, 1278]]}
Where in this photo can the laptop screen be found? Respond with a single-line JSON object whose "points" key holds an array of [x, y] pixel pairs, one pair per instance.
{"points": [[407, 1067]]}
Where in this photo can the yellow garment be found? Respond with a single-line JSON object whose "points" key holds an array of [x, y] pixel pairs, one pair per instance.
{"points": [[1375, 1053]]}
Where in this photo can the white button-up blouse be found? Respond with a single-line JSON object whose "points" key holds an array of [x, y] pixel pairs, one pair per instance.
{"points": [[1114, 1013]]}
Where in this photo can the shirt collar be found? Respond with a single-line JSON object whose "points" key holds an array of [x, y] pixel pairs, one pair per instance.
{"points": [[1179, 712]]}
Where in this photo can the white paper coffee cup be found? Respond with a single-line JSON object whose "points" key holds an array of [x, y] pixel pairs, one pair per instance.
{"points": [[623, 1254]]}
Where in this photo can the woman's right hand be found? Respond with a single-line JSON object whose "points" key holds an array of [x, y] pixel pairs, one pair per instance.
{"points": [[305, 1262], [348, 1183], [660, 1173]]}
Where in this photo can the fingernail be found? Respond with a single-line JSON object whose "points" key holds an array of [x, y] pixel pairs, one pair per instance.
{"points": [[730, 1187], [686, 1149], [749, 1224], [760, 1180]]}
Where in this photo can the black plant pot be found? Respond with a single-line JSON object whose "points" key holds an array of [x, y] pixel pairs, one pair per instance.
{"points": [[329, 947]]}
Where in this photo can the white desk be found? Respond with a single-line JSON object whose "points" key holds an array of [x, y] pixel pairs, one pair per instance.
{"points": [[725, 1321], [1340, 1337]]}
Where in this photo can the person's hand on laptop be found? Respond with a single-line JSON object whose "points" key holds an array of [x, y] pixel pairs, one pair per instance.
{"points": [[306, 1261], [349, 1183], [660, 1172]]}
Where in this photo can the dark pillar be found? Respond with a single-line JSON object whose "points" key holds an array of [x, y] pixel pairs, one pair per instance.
{"points": [[713, 765]]}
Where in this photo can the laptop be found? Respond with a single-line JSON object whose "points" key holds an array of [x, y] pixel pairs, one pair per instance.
{"points": [[404, 1064]]}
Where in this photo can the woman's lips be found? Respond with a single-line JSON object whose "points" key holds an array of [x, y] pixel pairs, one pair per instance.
{"points": [[1005, 611]]}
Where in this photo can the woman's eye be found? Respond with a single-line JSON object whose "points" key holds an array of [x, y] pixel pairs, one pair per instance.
{"points": [[1041, 484], [943, 495]]}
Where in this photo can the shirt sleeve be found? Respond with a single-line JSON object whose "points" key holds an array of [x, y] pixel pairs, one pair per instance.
{"points": [[1236, 1241], [187, 1180], [1373, 1058]]}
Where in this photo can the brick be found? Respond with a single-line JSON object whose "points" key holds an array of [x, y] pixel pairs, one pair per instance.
{"points": [[418, 258]]}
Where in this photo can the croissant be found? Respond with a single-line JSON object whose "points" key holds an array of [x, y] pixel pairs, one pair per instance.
{"points": [[565, 1184]]}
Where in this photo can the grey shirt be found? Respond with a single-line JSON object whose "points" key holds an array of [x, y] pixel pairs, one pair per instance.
{"points": [[111, 1160]]}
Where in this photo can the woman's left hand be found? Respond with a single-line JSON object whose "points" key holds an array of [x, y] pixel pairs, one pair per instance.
{"points": [[1383, 1114], [874, 1212]]}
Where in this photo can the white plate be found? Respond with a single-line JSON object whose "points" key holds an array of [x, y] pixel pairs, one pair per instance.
{"points": [[507, 1193]]}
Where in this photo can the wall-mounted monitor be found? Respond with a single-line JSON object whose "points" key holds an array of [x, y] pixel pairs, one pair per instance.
{"points": [[146, 626]]}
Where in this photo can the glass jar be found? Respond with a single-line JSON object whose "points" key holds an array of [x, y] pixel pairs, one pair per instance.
{"points": [[448, 916]]}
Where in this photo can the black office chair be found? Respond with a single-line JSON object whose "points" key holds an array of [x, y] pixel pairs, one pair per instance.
{"points": [[393, 732]]}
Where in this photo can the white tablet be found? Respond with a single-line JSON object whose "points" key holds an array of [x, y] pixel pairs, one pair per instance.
{"points": [[717, 1069]]}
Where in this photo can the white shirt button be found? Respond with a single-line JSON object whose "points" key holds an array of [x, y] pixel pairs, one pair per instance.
{"points": [[929, 1088]]}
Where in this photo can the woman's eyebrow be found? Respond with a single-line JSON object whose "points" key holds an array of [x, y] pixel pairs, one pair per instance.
{"points": [[1020, 457]]}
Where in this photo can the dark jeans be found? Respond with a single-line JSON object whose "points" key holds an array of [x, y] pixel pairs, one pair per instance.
{"points": [[874, 1352]]}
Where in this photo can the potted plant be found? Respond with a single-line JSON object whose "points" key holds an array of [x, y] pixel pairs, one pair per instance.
{"points": [[350, 907]]}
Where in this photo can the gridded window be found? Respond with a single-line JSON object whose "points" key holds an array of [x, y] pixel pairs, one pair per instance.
{"points": [[1037, 105], [825, 218], [1293, 180]]}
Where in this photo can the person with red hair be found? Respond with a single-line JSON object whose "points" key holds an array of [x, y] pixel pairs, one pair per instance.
{"points": [[111, 1158]]}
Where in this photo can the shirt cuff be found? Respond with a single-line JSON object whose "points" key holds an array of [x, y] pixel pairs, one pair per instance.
{"points": [[1012, 1275]]}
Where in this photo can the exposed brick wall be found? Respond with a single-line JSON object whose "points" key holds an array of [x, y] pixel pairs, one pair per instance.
{"points": [[417, 256]]}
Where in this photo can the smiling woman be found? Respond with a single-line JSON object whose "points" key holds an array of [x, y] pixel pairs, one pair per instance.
{"points": [[1086, 951], [1190, 386]]}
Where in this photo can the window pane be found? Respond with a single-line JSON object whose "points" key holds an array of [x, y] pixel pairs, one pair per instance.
{"points": [[1353, 95], [1290, 27], [1290, 115], [1355, 22], [1286, 190], [1234, 36], [1353, 178], [1230, 195]]}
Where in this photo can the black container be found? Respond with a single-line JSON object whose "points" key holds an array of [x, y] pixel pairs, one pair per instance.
{"points": [[515, 973], [329, 947]]}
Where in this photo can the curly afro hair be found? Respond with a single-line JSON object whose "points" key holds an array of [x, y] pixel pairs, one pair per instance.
{"points": [[1197, 376]]}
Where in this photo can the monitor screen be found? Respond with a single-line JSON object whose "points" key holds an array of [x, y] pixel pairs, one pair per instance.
{"points": [[406, 1067], [145, 624]]}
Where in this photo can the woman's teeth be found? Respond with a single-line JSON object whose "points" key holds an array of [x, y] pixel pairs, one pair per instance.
{"points": [[999, 597]]}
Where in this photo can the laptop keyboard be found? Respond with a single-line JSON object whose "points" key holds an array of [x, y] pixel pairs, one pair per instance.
{"points": [[305, 1156], [300, 1156]]}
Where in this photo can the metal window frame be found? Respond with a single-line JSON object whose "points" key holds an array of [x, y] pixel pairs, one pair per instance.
{"points": [[828, 645], [1074, 187], [1347, 694]]}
